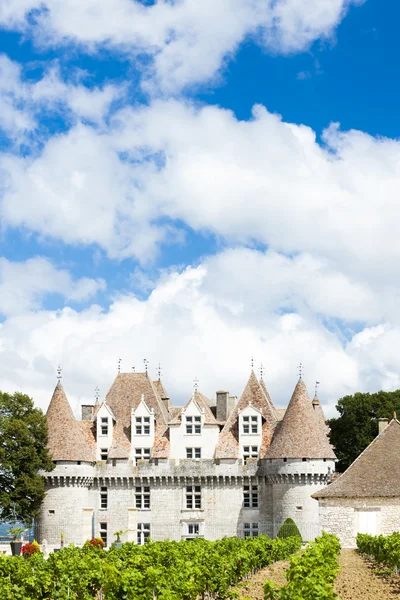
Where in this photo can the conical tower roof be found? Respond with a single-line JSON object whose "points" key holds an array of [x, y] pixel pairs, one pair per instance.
{"points": [[319, 414], [254, 395], [68, 439], [300, 435]]}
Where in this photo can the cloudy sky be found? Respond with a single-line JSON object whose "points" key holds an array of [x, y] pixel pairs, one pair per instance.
{"points": [[195, 183]]}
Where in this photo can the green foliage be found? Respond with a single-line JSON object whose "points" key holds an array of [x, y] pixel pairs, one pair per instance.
{"points": [[357, 425], [23, 452], [288, 529], [384, 549], [164, 570], [311, 574], [16, 532]]}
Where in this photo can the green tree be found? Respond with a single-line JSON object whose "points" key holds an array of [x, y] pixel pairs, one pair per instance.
{"points": [[23, 452], [357, 424]]}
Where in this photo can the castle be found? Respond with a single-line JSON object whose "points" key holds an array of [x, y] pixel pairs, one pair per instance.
{"points": [[139, 465]]}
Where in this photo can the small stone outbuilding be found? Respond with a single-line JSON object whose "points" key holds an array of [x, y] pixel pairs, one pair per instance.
{"points": [[366, 497]]}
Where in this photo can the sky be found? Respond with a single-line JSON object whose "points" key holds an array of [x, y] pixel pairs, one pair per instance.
{"points": [[199, 185]]}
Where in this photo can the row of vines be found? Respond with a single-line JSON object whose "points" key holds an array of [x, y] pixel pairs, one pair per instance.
{"points": [[384, 549], [311, 574], [158, 570]]}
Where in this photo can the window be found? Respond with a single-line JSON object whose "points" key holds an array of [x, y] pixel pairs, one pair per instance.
{"points": [[142, 497], [193, 452], [103, 532], [142, 426], [103, 498], [246, 424], [250, 496], [103, 453], [254, 424], [249, 452], [104, 425], [250, 424], [193, 496], [194, 528], [250, 530], [142, 453], [193, 425], [52, 511], [143, 533]]}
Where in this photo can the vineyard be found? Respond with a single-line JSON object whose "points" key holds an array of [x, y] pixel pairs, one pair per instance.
{"points": [[156, 571], [311, 575], [383, 549]]}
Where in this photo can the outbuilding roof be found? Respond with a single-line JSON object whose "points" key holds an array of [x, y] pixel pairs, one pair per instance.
{"points": [[375, 473]]}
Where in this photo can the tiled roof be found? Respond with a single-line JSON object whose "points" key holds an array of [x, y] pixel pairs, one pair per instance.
{"points": [[300, 434], [280, 413], [204, 405], [319, 414], [254, 394], [158, 386], [69, 439], [124, 395], [375, 473]]}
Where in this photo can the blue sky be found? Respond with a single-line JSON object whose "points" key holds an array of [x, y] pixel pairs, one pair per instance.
{"points": [[198, 184]]}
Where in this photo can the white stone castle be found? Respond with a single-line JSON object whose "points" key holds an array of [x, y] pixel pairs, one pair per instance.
{"points": [[136, 463]]}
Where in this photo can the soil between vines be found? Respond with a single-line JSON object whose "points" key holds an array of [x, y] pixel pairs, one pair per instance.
{"points": [[357, 580]]}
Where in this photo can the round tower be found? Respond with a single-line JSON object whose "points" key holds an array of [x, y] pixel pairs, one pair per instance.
{"points": [[71, 443], [299, 462]]}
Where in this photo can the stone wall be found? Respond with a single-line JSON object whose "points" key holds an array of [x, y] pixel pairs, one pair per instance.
{"points": [[341, 516], [73, 493]]}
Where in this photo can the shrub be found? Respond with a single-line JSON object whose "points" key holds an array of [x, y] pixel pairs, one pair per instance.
{"points": [[95, 542], [30, 548], [288, 529]]}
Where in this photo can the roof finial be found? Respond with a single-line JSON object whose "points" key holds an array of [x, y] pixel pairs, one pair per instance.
{"points": [[262, 371], [134, 369], [252, 362], [159, 371], [395, 415], [96, 394], [59, 373], [195, 384], [301, 370], [146, 364], [119, 366], [316, 388]]}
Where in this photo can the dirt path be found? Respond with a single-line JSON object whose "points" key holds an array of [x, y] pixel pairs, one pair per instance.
{"points": [[357, 580], [254, 587]]}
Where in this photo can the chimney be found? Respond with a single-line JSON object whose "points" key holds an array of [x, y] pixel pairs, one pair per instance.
{"points": [[225, 405], [87, 412], [383, 423], [166, 402]]}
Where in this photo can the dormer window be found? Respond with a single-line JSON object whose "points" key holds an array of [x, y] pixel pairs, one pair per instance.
{"points": [[104, 425], [193, 425], [250, 424], [142, 425]]}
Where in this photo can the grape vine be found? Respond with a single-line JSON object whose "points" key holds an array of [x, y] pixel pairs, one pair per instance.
{"points": [[167, 570]]}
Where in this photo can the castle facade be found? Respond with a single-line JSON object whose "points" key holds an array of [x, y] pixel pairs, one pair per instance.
{"points": [[137, 464]]}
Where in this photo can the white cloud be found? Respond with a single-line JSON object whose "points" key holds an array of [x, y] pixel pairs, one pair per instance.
{"points": [[207, 322], [22, 102], [188, 40], [261, 180], [24, 285]]}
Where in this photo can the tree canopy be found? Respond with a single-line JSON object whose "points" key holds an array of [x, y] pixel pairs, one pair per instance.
{"points": [[23, 452], [357, 424]]}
